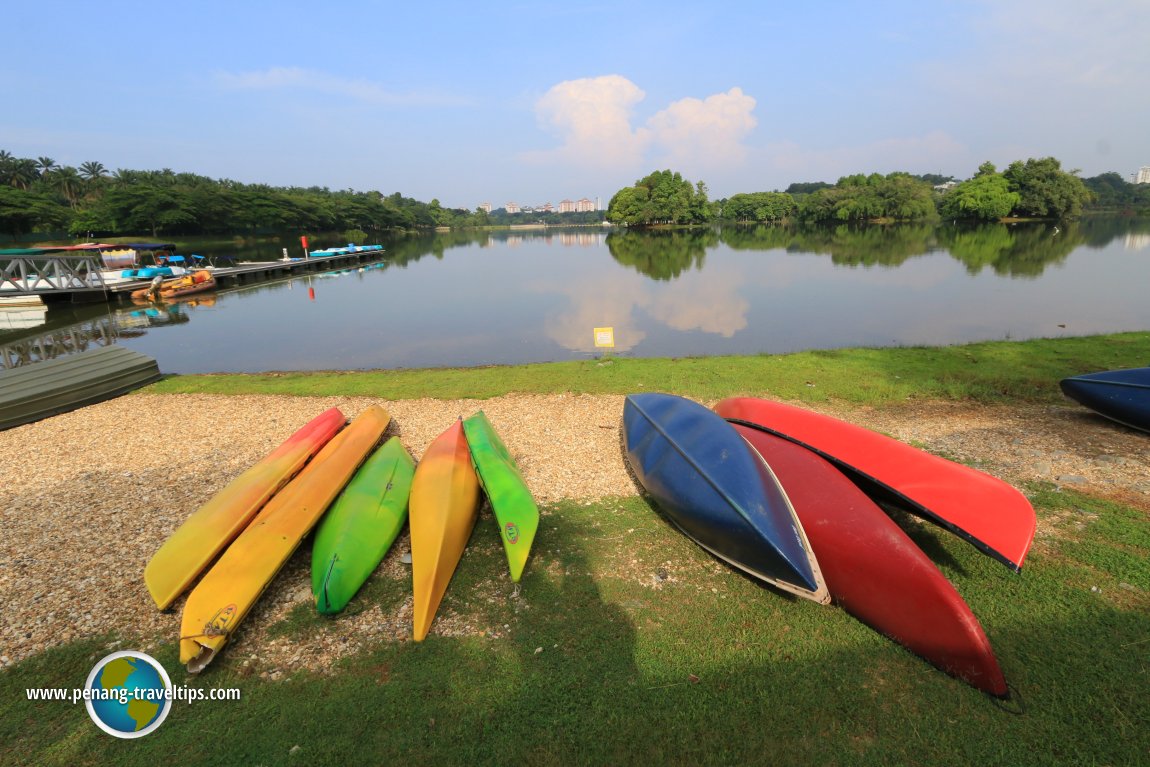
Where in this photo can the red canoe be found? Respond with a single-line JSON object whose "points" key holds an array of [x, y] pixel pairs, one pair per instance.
{"points": [[875, 572], [986, 511]]}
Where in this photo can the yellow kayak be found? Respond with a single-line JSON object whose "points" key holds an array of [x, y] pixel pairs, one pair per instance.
{"points": [[208, 531], [225, 595], [442, 511]]}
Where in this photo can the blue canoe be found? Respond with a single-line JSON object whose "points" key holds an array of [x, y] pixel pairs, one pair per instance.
{"points": [[1120, 395], [718, 491]]}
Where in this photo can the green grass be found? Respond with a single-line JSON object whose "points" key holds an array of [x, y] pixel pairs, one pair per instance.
{"points": [[626, 644], [984, 372], [653, 653]]}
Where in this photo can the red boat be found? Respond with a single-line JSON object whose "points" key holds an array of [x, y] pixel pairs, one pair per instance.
{"points": [[875, 572], [983, 510]]}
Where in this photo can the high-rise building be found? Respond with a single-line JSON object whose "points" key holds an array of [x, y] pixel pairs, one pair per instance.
{"points": [[511, 207], [1143, 176]]}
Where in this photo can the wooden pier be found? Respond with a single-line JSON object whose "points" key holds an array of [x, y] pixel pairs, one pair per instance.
{"points": [[57, 278]]}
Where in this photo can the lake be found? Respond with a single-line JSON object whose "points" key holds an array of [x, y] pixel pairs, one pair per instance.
{"points": [[480, 298]]}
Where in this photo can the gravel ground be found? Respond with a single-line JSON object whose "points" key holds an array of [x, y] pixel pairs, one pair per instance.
{"points": [[87, 497]]}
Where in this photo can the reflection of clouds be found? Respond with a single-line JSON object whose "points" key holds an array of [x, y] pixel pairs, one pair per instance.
{"points": [[594, 304], [707, 301]]}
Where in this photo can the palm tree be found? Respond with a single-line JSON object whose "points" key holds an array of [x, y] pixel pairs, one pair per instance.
{"points": [[92, 170], [68, 181], [46, 165], [22, 173]]}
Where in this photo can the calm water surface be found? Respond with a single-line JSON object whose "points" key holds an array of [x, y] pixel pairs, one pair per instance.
{"points": [[476, 299]]}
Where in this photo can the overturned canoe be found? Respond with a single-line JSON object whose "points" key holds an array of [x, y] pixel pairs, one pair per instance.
{"points": [[208, 531], [723, 496], [1120, 395], [875, 572], [511, 501], [443, 508], [992, 515], [224, 596], [359, 528]]}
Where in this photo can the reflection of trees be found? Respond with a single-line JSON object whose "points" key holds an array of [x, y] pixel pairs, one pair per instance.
{"points": [[756, 237], [866, 245], [1022, 250], [1100, 231], [661, 254]]}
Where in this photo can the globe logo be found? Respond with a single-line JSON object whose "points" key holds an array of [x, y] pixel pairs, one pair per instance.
{"points": [[128, 694]]}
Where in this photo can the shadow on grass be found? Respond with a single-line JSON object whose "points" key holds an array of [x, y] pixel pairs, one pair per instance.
{"points": [[601, 664]]}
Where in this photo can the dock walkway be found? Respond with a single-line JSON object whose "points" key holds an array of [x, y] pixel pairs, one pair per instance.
{"points": [[56, 278]]}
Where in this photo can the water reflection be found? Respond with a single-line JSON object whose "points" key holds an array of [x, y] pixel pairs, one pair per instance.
{"points": [[496, 297]]}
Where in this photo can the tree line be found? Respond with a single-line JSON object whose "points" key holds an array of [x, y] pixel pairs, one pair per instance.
{"points": [[1036, 188], [39, 195]]}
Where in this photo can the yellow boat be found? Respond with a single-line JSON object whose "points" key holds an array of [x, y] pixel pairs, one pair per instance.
{"points": [[442, 511], [208, 531], [225, 595]]}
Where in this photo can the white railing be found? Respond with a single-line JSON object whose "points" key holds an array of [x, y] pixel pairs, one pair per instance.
{"points": [[38, 274]]}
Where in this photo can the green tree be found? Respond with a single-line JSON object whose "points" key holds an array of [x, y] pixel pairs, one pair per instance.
{"points": [[1045, 190], [986, 197], [663, 197]]}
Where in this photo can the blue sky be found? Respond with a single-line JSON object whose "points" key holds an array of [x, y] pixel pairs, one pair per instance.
{"points": [[537, 102]]}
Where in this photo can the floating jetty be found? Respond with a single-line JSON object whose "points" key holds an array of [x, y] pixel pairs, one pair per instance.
{"points": [[76, 275]]}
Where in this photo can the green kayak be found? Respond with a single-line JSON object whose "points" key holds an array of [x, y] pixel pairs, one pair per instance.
{"points": [[511, 501], [360, 527]]}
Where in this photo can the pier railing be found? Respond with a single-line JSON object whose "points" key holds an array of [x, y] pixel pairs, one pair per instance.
{"points": [[45, 273]]}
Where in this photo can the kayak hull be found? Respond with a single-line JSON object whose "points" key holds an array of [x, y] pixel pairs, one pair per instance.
{"points": [[511, 502], [209, 530], [703, 478], [983, 510], [224, 596], [443, 509], [875, 572], [358, 530], [1120, 395]]}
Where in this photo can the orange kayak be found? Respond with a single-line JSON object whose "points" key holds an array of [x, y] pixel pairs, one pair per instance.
{"points": [[442, 511], [209, 530], [225, 595]]}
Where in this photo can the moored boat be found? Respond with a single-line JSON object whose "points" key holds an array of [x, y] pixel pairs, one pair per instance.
{"points": [[443, 509], [359, 528], [1120, 395], [225, 595], [511, 502], [875, 572], [989, 513], [198, 281], [209, 530], [721, 495]]}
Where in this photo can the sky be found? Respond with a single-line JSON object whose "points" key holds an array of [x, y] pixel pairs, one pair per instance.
{"points": [[538, 102]]}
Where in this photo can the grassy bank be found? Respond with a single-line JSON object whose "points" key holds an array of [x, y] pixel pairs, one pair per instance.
{"points": [[984, 372], [627, 644]]}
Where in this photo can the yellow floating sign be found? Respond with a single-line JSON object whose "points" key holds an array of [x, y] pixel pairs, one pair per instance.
{"points": [[605, 338]]}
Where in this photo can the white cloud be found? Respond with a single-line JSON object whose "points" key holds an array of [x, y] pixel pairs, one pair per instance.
{"points": [[709, 132], [592, 118]]}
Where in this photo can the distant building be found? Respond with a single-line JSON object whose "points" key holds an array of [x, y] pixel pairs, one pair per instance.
{"points": [[584, 206], [545, 208], [946, 186], [1143, 176], [511, 207], [566, 206], [485, 207]]}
